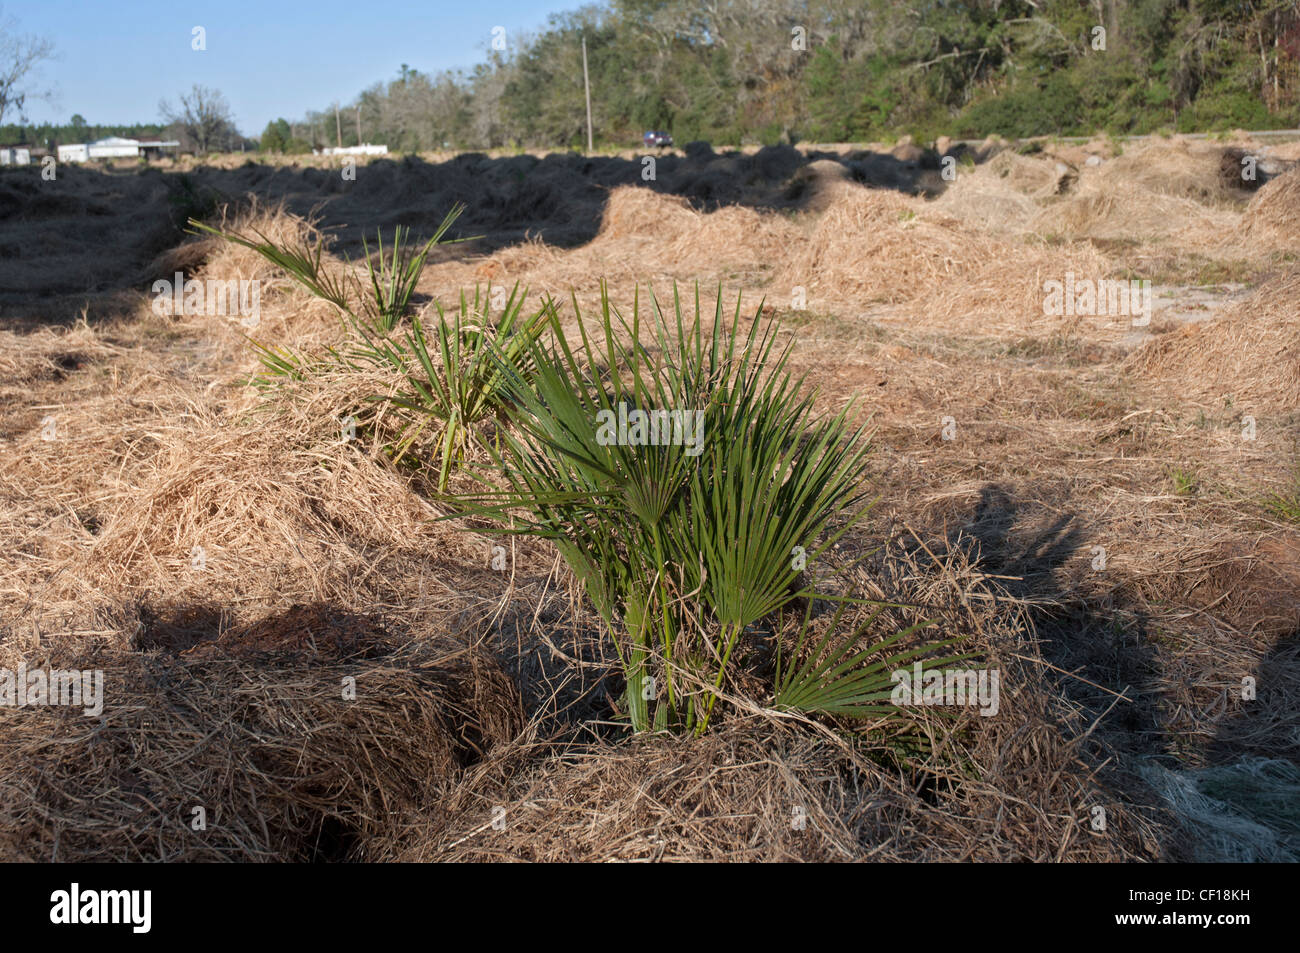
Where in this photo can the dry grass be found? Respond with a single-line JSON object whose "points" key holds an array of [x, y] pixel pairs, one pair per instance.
{"points": [[644, 236], [875, 248], [1178, 167], [1273, 217], [1125, 211], [255, 729], [1249, 358], [766, 787], [1003, 195]]}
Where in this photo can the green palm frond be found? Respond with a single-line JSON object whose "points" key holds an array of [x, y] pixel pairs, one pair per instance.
{"points": [[394, 277], [302, 262], [841, 676], [456, 372]]}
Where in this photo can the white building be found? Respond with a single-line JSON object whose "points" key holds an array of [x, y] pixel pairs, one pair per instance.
{"points": [[114, 147], [15, 155], [365, 149]]}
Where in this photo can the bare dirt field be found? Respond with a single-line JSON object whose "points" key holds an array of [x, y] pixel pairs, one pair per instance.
{"points": [[1106, 507]]}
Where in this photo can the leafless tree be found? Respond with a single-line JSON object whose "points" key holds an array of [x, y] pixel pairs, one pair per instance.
{"points": [[19, 55], [487, 128], [203, 118]]}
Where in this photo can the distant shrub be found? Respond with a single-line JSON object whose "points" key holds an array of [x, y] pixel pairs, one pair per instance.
{"points": [[1026, 110], [1224, 108]]}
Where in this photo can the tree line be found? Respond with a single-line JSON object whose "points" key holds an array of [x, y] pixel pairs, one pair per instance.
{"points": [[769, 71]]}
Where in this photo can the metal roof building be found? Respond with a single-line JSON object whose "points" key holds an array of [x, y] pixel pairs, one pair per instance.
{"points": [[114, 147]]}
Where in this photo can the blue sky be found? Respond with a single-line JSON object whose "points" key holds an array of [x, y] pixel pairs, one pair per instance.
{"points": [[116, 58]]}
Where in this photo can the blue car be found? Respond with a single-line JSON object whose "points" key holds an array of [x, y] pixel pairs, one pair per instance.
{"points": [[656, 140]]}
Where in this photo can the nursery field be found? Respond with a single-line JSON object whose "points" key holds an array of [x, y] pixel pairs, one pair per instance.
{"points": [[365, 582]]}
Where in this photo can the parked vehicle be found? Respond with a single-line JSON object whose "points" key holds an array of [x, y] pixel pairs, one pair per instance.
{"points": [[656, 140]]}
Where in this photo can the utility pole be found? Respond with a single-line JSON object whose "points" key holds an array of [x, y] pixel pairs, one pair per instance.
{"points": [[358, 124], [586, 85], [338, 127]]}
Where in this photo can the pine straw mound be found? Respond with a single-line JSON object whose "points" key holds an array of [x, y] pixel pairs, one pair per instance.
{"points": [[868, 247], [1287, 151], [1002, 196], [733, 236], [1037, 178], [187, 258], [668, 235], [1251, 355], [1157, 192], [153, 487], [1183, 168], [230, 261], [289, 315], [632, 211], [257, 732], [645, 236], [876, 247], [1272, 220], [734, 796], [1129, 212], [816, 184], [1019, 785], [56, 494], [222, 513]]}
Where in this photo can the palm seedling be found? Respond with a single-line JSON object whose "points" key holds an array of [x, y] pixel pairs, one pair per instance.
{"points": [[392, 280], [452, 371], [689, 522]]}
